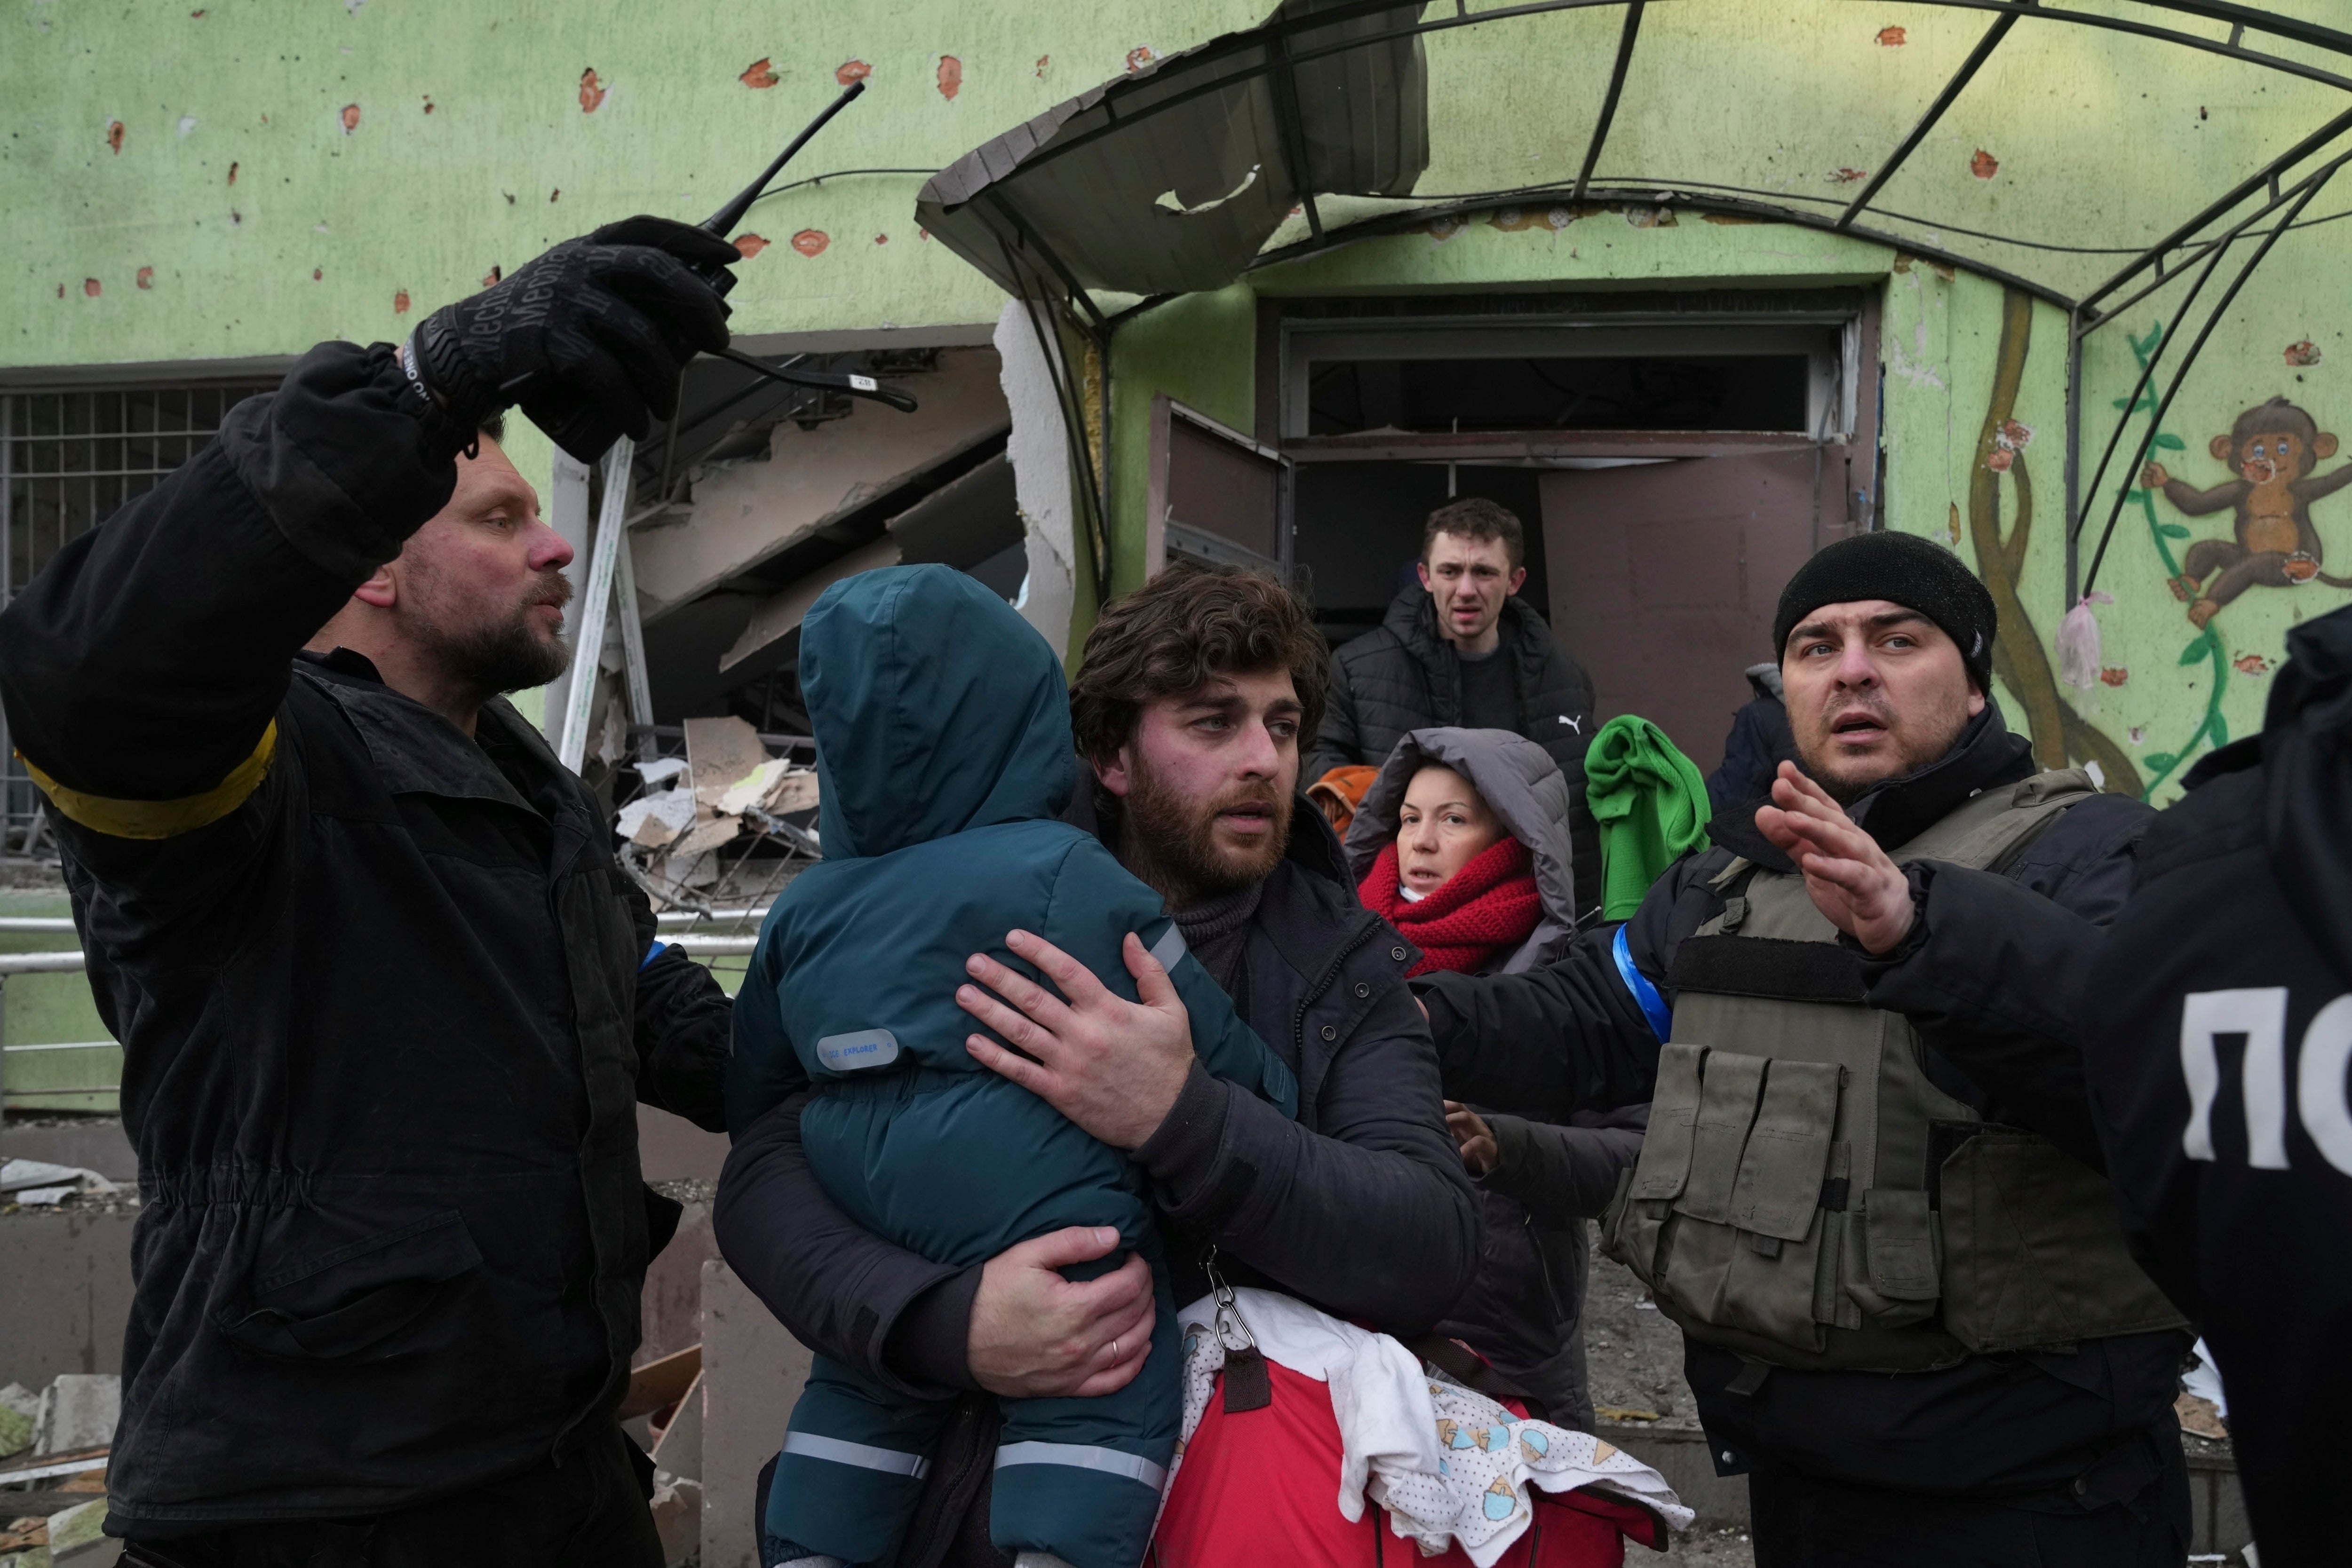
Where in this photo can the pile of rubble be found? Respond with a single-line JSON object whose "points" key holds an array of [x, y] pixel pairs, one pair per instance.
{"points": [[726, 787], [53, 1454]]}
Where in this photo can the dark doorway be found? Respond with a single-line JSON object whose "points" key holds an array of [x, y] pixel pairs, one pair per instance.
{"points": [[1359, 532]]}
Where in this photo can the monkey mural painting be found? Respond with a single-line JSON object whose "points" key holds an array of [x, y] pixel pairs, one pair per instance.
{"points": [[2275, 450]]}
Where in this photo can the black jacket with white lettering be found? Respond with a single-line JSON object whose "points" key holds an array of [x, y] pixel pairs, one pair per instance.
{"points": [[2218, 1077]]}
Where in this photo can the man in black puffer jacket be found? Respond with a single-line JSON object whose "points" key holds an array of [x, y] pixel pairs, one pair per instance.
{"points": [[1462, 650]]}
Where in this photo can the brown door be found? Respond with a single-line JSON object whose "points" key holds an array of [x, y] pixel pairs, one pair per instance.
{"points": [[1664, 577], [1215, 495]]}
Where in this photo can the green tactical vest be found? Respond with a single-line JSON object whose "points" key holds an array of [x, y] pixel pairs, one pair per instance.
{"points": [[1806, 1198]]}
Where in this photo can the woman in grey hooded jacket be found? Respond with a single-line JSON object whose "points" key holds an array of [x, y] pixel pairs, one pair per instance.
{"points": [[1542, 1180]]}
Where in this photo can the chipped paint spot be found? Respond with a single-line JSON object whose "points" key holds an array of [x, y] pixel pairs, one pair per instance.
{"points": [[1651, 218], [1984, 165], [950, 77], [555, 193], [1999, 458], [749, 246], [760, 74], [2116, 675], [1847, 176], [1444, 229], [317, 273], [114, 134], [351, 117], [90, 287], [146, 277], [592, 91], [187, 124], [2014, 435], [881, 239], [1511, 220], [199, 15], [400, 302], [921, 233], [235, 218], [429, 103], [491, 276], [1557, 218], [1043, 61], [232, 173], [1893, 37], [852, 70], [2250, 665], [62, 291], [2138, 733], [810, 242], [509, 195], [2302, 354], [1140, 57]]}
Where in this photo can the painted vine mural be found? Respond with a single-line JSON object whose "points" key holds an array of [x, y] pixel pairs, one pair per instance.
{"points": [[2274, 459]]}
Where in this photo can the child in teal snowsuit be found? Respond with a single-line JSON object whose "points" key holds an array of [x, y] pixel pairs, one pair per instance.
{"points": [[945, 760]]}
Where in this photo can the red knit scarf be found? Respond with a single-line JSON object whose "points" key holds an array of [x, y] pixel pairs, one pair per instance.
{"points": [[1489, 905]]}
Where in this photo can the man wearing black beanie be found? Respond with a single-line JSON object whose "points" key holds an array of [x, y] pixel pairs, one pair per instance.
{"points": [[1871, 1194]]}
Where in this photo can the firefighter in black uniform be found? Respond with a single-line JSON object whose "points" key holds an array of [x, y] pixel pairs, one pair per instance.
{"points": [[387, 1003], [2218, 1072]]}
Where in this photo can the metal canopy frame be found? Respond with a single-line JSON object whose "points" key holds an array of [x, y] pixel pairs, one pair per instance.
{"points": [[1277, 48]]}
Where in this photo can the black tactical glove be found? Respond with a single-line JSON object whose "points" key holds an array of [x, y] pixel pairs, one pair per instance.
{"points": [[590, 338]]}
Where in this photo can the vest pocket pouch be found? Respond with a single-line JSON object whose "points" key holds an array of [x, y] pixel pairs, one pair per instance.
{"points": [[349, 1301], [1645, 1195], [1743, 1247], [1900, 1274]]}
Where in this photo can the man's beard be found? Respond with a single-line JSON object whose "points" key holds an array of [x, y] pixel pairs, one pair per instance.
{"points": [[1912, 753], [1170, 840], [505, 655]]}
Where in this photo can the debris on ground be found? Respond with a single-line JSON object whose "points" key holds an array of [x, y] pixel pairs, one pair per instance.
{"points": [[727, 788], [36, 1183], [54, 1448]]}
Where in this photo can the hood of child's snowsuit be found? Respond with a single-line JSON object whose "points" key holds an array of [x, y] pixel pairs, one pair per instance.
{"points": [[936, 709]]}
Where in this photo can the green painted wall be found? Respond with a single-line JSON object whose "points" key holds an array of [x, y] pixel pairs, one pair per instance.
{"points": [[384, 151]]}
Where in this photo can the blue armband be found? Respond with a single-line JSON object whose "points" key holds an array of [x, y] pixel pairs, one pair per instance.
{"points": [[655, 951], [1654, 1006]]}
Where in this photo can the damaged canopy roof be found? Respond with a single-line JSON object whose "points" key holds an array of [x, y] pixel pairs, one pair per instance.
{"points": [[2041, 142]]}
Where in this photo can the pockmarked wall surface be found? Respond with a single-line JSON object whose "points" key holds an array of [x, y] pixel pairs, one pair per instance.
{"points": [[235, 180]]}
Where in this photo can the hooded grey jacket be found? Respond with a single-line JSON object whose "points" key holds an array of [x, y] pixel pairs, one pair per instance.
{"points": [[1524, 1311]]}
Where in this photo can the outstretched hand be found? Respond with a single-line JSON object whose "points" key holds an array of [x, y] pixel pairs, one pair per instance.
{"points": [[1852, 880], [1112, 1066]]}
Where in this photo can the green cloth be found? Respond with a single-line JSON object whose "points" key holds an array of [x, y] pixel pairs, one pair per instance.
{"points": [[1651, 804]]}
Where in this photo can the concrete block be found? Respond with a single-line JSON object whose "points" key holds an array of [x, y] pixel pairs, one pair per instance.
{"points": [[671, 1307], [19, 1408], [752, 1371], [669, 1148], [78, 1538], [79, 1410], [678, 1520], [678, 1452], [65, 1293]]}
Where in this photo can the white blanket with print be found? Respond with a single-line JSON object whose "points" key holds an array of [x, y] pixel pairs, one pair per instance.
{"points": [[1450, 1466]]}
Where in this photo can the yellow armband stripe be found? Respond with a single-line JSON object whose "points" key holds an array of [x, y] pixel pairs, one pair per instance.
{"points": [[161, 818]]}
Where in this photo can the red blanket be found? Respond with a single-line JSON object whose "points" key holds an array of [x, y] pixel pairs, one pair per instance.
{"points": [[1487, 906]]}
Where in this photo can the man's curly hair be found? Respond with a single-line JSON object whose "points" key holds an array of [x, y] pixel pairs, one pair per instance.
{"points": [[1179, 632]]}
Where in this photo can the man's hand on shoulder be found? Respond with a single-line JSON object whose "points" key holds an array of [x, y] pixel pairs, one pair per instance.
{"points": [[1853, 881], [1112, 1066], [1036, 1336]]}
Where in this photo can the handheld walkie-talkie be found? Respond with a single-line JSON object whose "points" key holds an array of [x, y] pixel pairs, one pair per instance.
{"points": [[723, 222]]}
